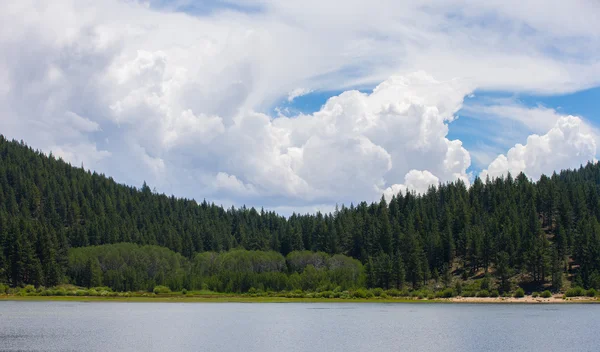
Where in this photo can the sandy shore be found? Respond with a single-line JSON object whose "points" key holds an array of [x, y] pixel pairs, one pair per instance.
{"points": [[526, 299]]}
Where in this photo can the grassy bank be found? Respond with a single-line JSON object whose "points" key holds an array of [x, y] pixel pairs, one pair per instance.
{"points": [[377, 295], [226, 298], [212, 299]]}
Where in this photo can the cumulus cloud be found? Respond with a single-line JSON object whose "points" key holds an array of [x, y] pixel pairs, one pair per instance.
{"points": [[414, 181], [565, 146], [140, 92], [78, 155]]}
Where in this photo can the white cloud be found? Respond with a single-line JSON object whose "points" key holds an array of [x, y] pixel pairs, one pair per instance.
{"points": [[230, 183], [414, 180], [179, 100], [77, 155], [298, 92], [515, 121], [565, 146]]}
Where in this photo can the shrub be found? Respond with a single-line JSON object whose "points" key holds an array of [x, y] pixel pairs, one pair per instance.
{"points": [[325, 294], [360, 293], [377, 291], [393, 292], [468, 294], [445, 293], [29, 289], [591, 292], [458, 288], [423, 293], [160, 289], [184, 292], [485, 283], [494, 293], [575, 292], [3, 289], [81, 293], [519, 293], [483, 293], [322, 288], [546, 294], [535, 294], [103, 288], [295, 294]]}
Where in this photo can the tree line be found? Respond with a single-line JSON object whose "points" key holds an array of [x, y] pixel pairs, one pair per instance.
{"points": [[544, 231]]}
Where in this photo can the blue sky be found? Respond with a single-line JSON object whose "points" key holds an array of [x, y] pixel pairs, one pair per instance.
{"points": [[205, 7]]}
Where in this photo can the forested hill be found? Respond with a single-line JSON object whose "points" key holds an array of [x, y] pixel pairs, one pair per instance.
{"points": [[505, 226]]}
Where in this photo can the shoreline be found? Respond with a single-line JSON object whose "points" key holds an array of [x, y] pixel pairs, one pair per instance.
{"points": [[245, 299]]}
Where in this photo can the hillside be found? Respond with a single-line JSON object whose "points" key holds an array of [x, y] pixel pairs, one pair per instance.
{"points": [[512, 228]]}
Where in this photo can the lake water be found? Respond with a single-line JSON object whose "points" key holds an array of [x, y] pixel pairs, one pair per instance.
{"points": [[248, 327]]}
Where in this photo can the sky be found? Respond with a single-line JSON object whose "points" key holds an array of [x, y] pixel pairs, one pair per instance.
{"points": [[297, 106]]}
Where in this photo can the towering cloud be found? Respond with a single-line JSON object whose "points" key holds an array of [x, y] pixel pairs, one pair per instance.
{"points": [[565, 146]]}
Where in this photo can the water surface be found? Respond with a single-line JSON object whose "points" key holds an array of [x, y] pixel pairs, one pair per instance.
{"points": [[289, 327]]}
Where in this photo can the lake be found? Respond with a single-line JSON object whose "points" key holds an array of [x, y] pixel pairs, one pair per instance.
{"points": [[248, 327]]}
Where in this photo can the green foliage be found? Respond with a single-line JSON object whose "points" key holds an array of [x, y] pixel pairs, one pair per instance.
{"points": [[494, 293], [360, 293], [519, 293], [3, 289], [325, 294], [591, 292], [458, 288], [483, 293], [446, 293], [393, 292], [184, 292], [535, 294], [486, 283], [377, 291], [29, 289], [127, 267], [575, 292], [546, 294], [161, 290]]}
